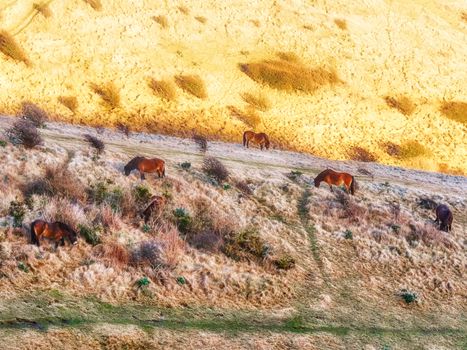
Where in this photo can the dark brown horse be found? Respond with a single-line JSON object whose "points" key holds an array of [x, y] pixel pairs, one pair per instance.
{"points": [[55, 231], [332, 177], [146, 165], [156, 205], [444, 217], [260, 138]]}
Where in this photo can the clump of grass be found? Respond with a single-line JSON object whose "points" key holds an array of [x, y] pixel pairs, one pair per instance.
{"points": [[408, 296], [288, 56], [148, 253], [215, 169], [201, 141], [249, 117], [361, 154], [43, 8], [402, 103], [124, 129], [113, 254], [412, 149], [243, 187], [95, 4], [34, 113], [258, 101], [392, 149], [289, 76], [95, 143], [246, 245], [162, 20], [185, 165], [182, 219], [10, 48], [193, 84], [255, 22], [201, 19], [165, 89], [90, 234], [285, 262], [143, 282], [109, 94], [348, 234], [341, 23], [17, 210], [183, 9], [455, 110], [142, 194], [70, 102], [102, 193], [24, 132]]}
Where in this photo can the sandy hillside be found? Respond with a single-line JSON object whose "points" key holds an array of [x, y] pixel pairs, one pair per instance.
{"points": [[318, 76], [262, 259]]}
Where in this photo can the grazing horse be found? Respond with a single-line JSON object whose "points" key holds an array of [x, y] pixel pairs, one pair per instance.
{"points": [[146, 165], [444, 217], [156, 205], [332, 177], [260, 138], [56, 231]]}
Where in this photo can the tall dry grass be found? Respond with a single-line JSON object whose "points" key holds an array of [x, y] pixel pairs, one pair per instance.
{"points": [[201, 19], [402, 103], [95, 4], [361, 154], [162, 20], [249, 117], [413, 149], [109, 94], [341, 23], [113, 254], [258, 101], [455, 110], [165, 89], [193, 84], [183, 9], [70, 102], [289, 75], [10, 48], [43, 8]]}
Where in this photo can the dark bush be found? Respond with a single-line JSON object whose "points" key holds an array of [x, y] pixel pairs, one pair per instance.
{"points": [[24, 132], [17, 210], [94, 142], [243, 187], [215, 169], [142, 194], [124, 129], [185, 165], [348, 234], [201, 141], [148, 253], [246, 245], [34, 114], [408, 296], [361, 154], [90, 234], [285, 262]]}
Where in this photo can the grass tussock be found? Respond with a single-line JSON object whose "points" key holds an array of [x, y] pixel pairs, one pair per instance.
{"points": [[341, 23], [255, 22], [95, 4], [70, 102], [25, 133], [288, 56], [164, 89], [201, 19], [43, 8], [193, 84], [455, 110], [10, 48], [183, 9], [95, 143], [289, 76], [113, 254], [361, 154], [402, 103], [246, 245], [214, 168], [109, 94], [413, 149], [464, 16], [201, 141], [162, 20], [257, 101], [391, 149], [249, 117], [34, 114]]}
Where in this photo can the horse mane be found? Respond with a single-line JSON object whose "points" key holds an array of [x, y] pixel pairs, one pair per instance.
{"points": [[322, 174], [133, 163]]}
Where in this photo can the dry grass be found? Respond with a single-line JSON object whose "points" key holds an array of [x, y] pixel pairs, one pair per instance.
{"points": [[64, 210], [341, 23], [258, 101], [214, 168], [402, 103], [162, 20], [249, 117], [109, 94], [464, 16], [173, 246], [165, 89], [361, 154], [113, 254], [391, 149], [10, 48], [289, 76], [201, 19], [288, 56], [43, 8], [193, 84], [413, 149], [70, 102], [95, 4], [183, 9], [455, 110], [255, 22]]}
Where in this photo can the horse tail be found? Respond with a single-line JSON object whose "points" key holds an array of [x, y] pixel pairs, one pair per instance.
{"points": [[267, 141], [34, 239], [244, 139], [352, 186]]}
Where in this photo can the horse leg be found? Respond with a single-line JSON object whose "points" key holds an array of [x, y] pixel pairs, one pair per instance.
{"points": [[247, 143], [330, 186], [142, 176]]}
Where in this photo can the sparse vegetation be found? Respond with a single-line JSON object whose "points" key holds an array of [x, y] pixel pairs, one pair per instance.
{"points": [[193, 84], [341, 23], [201, 141], [288, 56], [257, 101], [24, 132], [361, 154], [149, 253], [162, 20], [43, 8], [455, 110], [165, 89], [34, 114], [201, 19], [70, 102], [412, 149], [402, 103], [215, 169], [289, 76], [10, 48], [109, 94], [294, 175], [95, 4], [95, 143], [103, 193]]}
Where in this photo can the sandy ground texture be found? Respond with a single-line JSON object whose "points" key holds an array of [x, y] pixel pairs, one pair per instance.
{"points": [[400, 68]]}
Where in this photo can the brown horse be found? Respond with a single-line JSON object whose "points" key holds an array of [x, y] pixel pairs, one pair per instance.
{"points": [[260, 138], [444, 217], [56, 231], [156, 205], [146, 165], [332, 177]]}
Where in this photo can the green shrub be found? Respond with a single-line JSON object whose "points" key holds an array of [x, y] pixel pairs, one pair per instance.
{"points": [[181, 280], [408, 296], [90, 234], [285, 262], [226, 186], [23, 267], [185, 165], [146, 228], [348, 234], [246, 245], [143, 282], [182, 219], [142, 194], [395, 228], [3, 143], [100, 193], [17, 210]]}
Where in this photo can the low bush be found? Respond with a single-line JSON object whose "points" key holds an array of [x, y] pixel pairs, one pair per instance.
{"points": [[249, 117], [143, 282], [341, 23], [164, 89], [348, 234], [95, 143], [90, 234], [148, 253], [402, 103], [109, 94], [162, 20], [24, 132], [455, 110], [361, 154], [215, 169], [43, 8], [408, 296], [102, 193], [294, 175], [258, 101], [95, 4], [285, 262], [124, 129], [34, 114], [142, 194], [185, 165], [201, 141], [243, 187], [245, 245], [183, 220], [201, 19], [70, 102], [17, 210], [413, 149]]}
